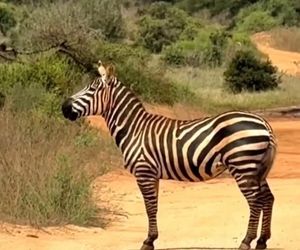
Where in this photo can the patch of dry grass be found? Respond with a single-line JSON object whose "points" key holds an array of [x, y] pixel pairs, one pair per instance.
{"points": [[47, 167], [286, 38], [212, 98]]}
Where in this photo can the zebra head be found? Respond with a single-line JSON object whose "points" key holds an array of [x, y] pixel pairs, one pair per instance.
{"points": [[91, 100]]}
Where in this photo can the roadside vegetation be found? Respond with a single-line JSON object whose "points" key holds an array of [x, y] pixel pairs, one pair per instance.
{"points": [[196, 53]]}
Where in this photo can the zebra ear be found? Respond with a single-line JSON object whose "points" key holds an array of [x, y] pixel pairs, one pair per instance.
{"points": [[102, 70], [111, 71]]}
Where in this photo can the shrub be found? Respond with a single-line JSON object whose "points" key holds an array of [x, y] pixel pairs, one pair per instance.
{"points": [[247, 73], [78, 22], [34, 98], [149, 83], [207, 48], [256, 21], [39, 84], [121, 53], [7, 18], [161, 26], [133, 70], [230, 7], [174, 55], [158, 10], [282, 10], [192, 6], [218, 40], [191, 29], [105, 16], [53, 73], [153, 34]]}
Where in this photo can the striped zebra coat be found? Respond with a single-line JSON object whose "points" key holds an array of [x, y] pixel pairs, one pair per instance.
{"points": [[155, 147]]}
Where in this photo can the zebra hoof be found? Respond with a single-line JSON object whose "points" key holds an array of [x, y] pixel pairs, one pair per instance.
{"points": [[261, 246], [147, 247], [244, 246], [261, 243]]}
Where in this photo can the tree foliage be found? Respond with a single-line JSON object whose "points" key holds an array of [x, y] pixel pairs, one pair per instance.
{"points": [[7, 18], [161, 25]]}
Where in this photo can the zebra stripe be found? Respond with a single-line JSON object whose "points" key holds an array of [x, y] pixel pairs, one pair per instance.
{"points": [[155, 147]]}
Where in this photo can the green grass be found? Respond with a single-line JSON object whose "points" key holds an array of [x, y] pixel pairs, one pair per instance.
{"points": [[211, 97]]}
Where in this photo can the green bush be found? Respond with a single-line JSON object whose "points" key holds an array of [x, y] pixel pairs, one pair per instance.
{"points": [[191, 30], [78, 22], [105, 16], [161, 26], [256, 21], [133, 70], [282, 10], [158, 10], [207, 48], [53, 73], [174, 55], [264, 15], [7, 18], [230, 7], [39, 84], [120, 53], [192, 6], [153, 34], [218, 40], [147, 82], [34, 98], [247, 73]]}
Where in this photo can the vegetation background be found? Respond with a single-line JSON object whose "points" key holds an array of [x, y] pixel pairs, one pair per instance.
{"points": [[196, 53]]}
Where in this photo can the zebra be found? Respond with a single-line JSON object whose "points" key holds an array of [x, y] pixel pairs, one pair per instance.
{"points": [[155, 147]]}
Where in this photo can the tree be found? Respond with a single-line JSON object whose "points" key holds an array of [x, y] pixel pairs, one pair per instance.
{"points": [[247, 73]]}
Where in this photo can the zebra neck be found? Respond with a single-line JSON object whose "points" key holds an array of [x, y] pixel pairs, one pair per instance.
{"points": [[124, 110]]}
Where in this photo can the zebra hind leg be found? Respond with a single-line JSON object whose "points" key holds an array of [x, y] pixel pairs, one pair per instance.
{"points": [[268, 200], [250, 187], [149, 189]]}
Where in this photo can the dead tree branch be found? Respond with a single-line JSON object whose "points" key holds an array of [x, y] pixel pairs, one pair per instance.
{"points": [[63, 48]]}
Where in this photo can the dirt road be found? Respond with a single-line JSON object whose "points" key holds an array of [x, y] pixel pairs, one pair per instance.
{"points": [[191, 215], [286, 61]]}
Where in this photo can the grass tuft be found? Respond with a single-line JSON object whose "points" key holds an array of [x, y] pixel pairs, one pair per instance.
{"points": [[286, 38]]}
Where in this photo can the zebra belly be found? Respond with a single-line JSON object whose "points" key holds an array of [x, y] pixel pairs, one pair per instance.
{"points": [[181, 173]]}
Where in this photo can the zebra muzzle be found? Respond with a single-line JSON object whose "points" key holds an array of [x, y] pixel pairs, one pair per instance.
{"points": [[67, 110]]}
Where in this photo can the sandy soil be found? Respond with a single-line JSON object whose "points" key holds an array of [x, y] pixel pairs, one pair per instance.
{"points": [[191, 215]]}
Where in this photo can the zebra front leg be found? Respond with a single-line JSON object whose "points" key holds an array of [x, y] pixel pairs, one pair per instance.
{"points": [[149, 189]]}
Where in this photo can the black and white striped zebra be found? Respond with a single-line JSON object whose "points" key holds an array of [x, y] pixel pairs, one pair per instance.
{"points": [[155, 147]]}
